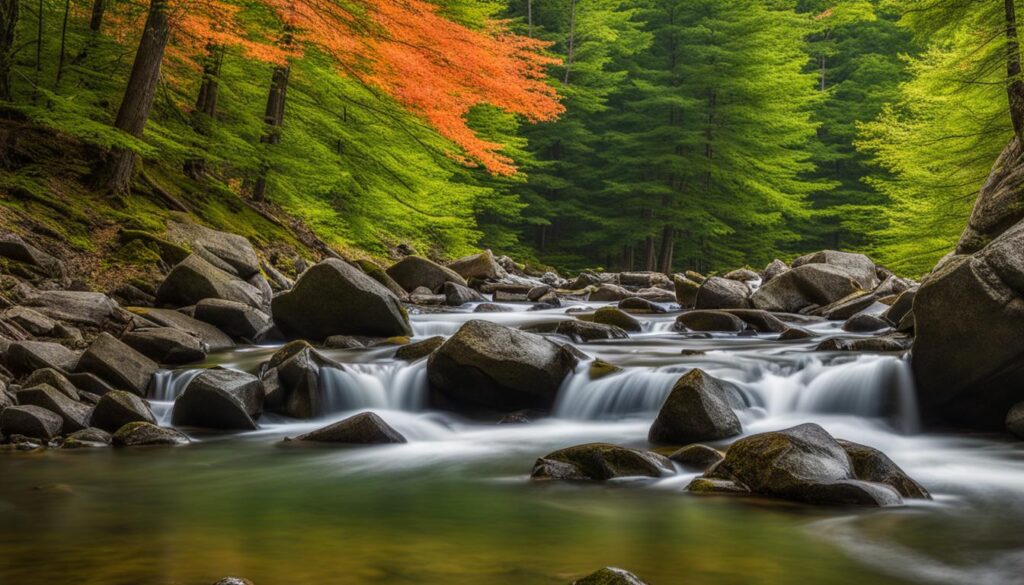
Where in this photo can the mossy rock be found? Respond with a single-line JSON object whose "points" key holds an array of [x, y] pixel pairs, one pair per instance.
{"points": [[137, 252], [618, 318], [169, 252], [600, 368]]}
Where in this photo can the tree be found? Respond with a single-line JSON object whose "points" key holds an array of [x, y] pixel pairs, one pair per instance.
{"points": [[8, 29]]}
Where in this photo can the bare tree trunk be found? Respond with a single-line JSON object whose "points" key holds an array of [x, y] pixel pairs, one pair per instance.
{"points": [[273, 117], [667, 252], [96, 20], [627, 258], [570, 51], [63, 40], [1015, 85], [8, 26], [650, 258], [529, 18], [206, 105], [138, 96]]}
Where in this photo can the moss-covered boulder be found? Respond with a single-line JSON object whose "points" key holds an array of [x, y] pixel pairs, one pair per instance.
{"points": [[487, 367], [617, 318], [88, 438], [600, 462], [686, 291], [374, 271], [143, 434], [420, 349], [335, 298], [699, 408], [362, 429]]}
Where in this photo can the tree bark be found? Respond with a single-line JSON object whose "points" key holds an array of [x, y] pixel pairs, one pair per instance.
{"points": [[63, 40], [273, 118], [667, 252], [138, 96], [206, 105], [1014, 83], [96, 20], [8, 26], [570, 51], [627, 258], [529, 18], [650, 257]]}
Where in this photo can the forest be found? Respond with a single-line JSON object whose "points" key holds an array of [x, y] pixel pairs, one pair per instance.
{"points": [[601, 134]]}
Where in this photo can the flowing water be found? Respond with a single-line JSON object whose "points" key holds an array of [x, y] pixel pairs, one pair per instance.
{"points": [[455, 506]]}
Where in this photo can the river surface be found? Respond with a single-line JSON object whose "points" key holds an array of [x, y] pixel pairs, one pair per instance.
{"points": [[455, 506]]}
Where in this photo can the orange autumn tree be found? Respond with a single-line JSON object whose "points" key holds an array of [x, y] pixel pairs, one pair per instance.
{"points": [[436, 68]]}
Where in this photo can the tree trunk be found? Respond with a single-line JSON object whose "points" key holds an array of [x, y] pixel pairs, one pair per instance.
{"points": [[138, 96], [570, 51], [8, 26], [273, 117], [63, 40], [529, 18], [206, 105], [627, 258], [667, 252], [650, 260], [96, 21], [1015, 85]]}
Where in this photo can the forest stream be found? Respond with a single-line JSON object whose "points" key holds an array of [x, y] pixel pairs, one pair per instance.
{"points": [[455, 504]]}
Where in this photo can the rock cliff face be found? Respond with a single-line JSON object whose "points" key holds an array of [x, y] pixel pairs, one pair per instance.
{"points": [[968, 354]]}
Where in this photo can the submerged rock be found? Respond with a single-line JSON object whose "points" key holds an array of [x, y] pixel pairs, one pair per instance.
{"points": [[806, 464], [610, 576], [335, 298], [140, 434], [485, 366], [699, 408], [220, 399], [362, 429], [600, 462], [88, 438]]}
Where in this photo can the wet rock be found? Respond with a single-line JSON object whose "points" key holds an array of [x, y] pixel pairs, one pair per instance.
{"points": [[870, 464], [579, 331], [88, 438], [803, 287], [456, 295], [858, 266], [794, 334], [617, 318], [75, 415], [1015, 420], [142, 434], [233, 581], [298, 371], [362, 429], [485, 366], [803, 464], [699, 408], [196, 279], [721, 293], [343, 342], [230, 249], [774, 268], [118, 408], [609, 293], [887, 343], [610, 576], [600, 462], [724, 487], [483, 266], [686, 291], [760, 321], [492, 308], [165, 345], [54, 379], [377, 273], [214, 339], [420, 349], [115, 362], [220, 399], [25, 357], [709, 321], [638, 305], [848, 306], [15, 248], [901, 307], [30, 421], [347, 303], [236, 319], [697, 456], [599, 369], [415, 271], [864, 323]]}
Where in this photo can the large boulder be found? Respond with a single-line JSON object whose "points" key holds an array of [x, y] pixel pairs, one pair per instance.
{"points": [[686, 290], [600, 462], [806, 464], [195, 279], [485, 366], [233, 250], [805, 286], [858, 266], [456, 295], [236, 319], [166, 345], [1015, 420], [968, 358], [335, 298], [88, 438], [85, 309], [1000, 203], [118, 408], [25, 357], [610, 576], [220, 399], [699, 408], [482, 266], [377, 273], [416, 271], [296, 370], [870, 464], [709, 321], [75, 415], [722, 293], [115, 362], [362, 429], [760, 321], [618, 318], [30, 421]]}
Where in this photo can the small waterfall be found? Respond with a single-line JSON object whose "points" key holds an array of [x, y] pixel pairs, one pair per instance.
{"points": [[394, 385], [167, 385], [633, 392]]}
